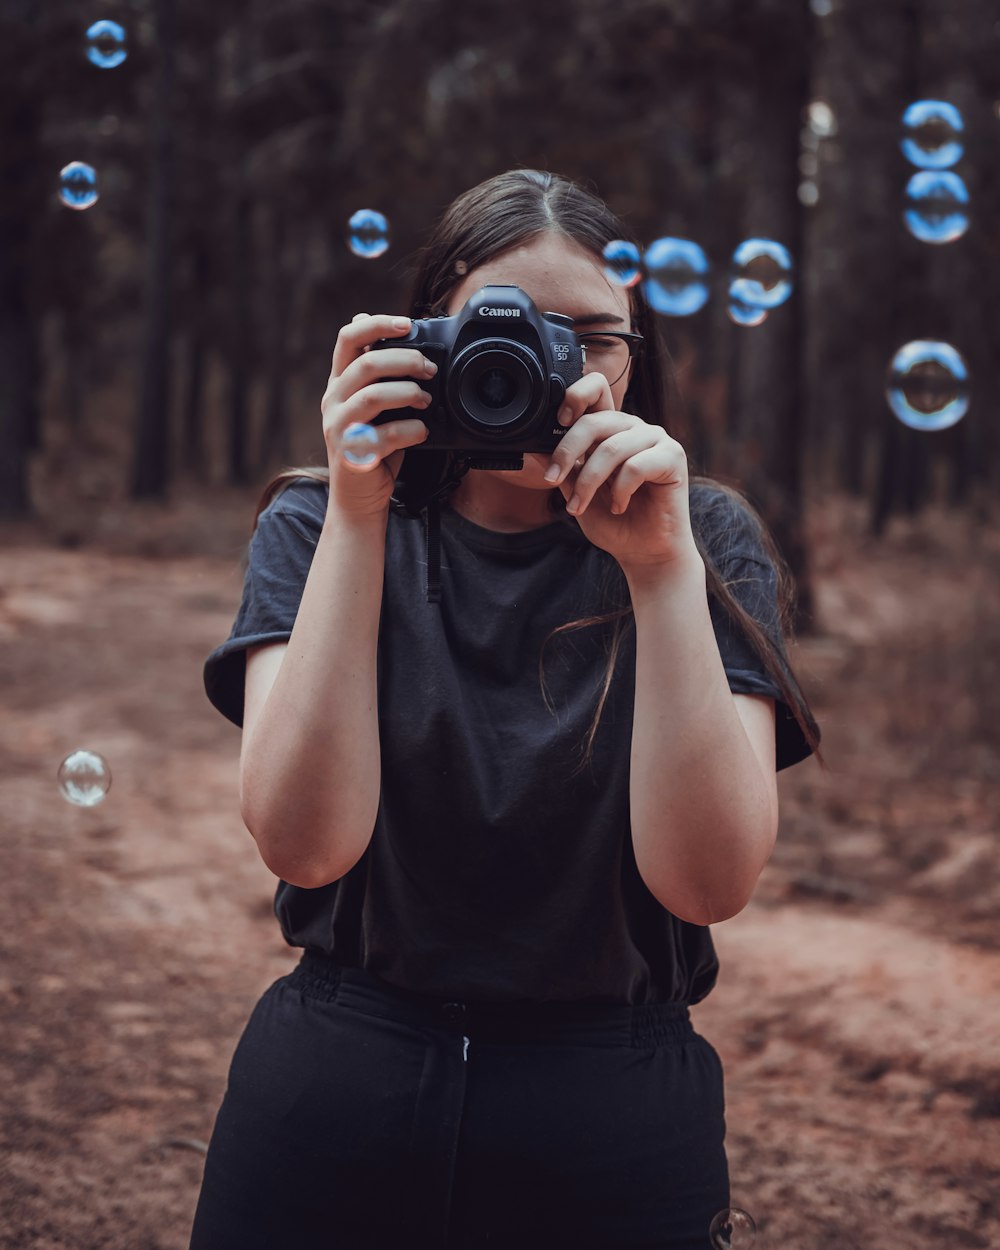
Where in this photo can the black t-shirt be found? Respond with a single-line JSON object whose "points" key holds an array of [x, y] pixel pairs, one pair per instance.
{"points": [[493, 873]]}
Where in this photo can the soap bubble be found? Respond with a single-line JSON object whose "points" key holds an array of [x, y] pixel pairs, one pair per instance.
{"points": [[821, 8], [762, 273], [928, 385], [935, 206], [84, 778], [622, 262], [368, 233], [676, 283], [78, 185], [745, 314], [732, 1229], [931, 129], [808, 193], [106, 44], [822, 119], [357, 442]]}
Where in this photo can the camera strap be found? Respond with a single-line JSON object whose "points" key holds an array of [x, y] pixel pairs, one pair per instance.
{"points": [[420, 494]]}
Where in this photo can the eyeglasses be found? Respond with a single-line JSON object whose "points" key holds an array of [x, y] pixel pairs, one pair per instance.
{"points": [[609, 352]]}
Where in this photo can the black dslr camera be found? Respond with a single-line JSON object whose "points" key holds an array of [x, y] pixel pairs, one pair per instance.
{"points": [[503, 371]]}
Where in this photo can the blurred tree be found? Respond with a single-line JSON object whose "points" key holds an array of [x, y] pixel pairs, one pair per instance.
{"points": [[151, 442], [22, 175]]}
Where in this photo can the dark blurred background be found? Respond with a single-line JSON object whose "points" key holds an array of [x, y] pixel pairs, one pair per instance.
{"points": [[180, 330]]}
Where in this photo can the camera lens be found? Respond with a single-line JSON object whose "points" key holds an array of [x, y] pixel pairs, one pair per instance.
{"points": [[499, 386], [496, 388]]}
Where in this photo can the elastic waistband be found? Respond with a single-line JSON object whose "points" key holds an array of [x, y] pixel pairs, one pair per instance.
{"points": [[593, 1024]]}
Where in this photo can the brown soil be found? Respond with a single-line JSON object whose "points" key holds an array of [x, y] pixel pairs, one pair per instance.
{"points": [[858, 1007]]}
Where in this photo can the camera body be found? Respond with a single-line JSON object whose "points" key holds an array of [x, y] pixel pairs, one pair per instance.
{"points": [[503, 372]]}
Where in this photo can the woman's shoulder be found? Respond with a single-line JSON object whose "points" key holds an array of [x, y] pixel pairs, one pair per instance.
{"points": [[303, 497], [723, 519]]}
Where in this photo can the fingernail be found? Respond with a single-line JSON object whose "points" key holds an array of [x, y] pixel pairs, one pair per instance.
{"points": [[564, 416], [400, 323], [573, 504], [430, 368], [552, 473]]}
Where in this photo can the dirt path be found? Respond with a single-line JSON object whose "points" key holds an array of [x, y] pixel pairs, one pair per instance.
{"points": [[858, 1007]]}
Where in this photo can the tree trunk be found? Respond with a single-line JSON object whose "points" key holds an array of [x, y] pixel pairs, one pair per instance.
{"points": [[20, 124], [240, 353], [772, 390], [193, 452], [151, 470], [275, 440]]}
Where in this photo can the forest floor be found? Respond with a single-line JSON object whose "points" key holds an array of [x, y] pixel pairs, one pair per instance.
{"points": [[858, 1007]]}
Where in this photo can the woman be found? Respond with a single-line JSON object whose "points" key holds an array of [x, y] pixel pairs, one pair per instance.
{"points": [[487, 1041]]}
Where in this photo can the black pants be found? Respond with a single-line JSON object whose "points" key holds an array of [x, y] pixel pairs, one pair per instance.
{"points": [[361, 1117]]}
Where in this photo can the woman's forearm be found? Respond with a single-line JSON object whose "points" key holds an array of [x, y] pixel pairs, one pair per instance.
{"points": [[702, 819], [310, 775]]}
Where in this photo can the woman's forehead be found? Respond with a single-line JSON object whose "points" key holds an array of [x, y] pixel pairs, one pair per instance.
{"points": [[558, 275]]}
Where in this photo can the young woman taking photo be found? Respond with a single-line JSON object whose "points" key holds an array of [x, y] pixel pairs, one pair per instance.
{"points": [[504, 812]]}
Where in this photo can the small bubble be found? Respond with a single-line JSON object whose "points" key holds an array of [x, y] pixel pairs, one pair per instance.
{"points": [[808, 193], [928, 385], [106, 44], [358, 440], [368, 234], [84, 778], [931, 130], [762, 273], [461, 268], [78, 185], [622, 262], [745, 314], [822, 119], [821, 8], [676, 284], [732, 1229], [936, 206]]}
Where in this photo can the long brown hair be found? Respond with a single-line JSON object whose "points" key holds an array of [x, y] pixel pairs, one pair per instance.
{"points": [[507, 210]]}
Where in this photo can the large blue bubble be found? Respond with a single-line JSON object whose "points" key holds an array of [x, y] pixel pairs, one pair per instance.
{"points": [[78, 185], [106, 44], [935, 210], [762, 273], [676, 277], [931, 130], [928, 385], [622, 262], [368, 233]]}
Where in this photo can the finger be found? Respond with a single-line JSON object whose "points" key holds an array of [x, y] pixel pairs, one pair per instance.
{"points": [[578, 440], [365, 405], [607, 462], [373, 366], [360, 333], [590, 393]]}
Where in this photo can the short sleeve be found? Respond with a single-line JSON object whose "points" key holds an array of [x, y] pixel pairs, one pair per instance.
{"points": [[733, 541], [279, 557]]}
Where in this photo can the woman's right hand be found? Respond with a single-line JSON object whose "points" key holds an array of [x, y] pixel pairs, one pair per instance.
{"points": [[355, 394]]}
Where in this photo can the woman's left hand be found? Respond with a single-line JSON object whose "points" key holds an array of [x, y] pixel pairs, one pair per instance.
{"points": [[633, 484]]}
